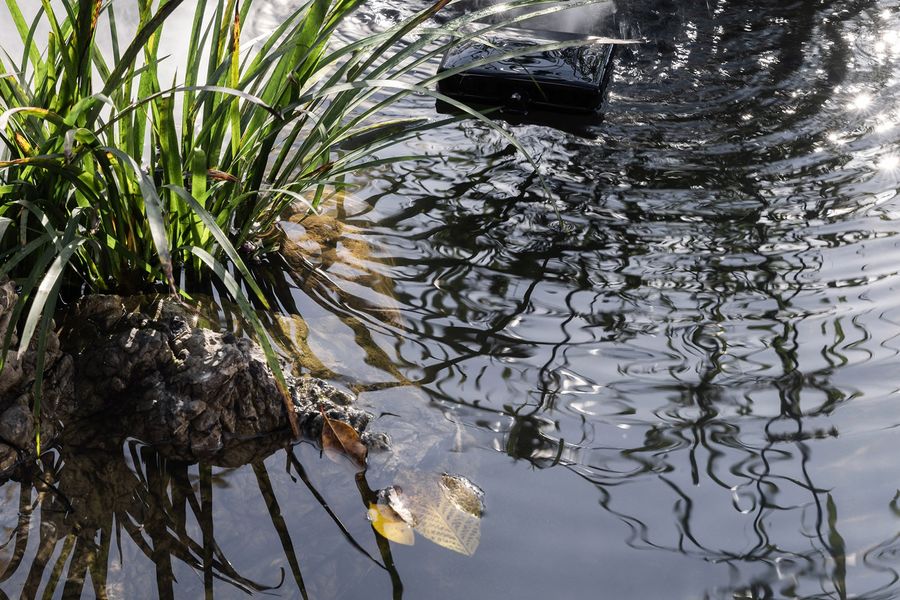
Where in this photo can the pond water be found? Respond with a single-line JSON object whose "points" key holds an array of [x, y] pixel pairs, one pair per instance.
{"points": [[674, 378]]}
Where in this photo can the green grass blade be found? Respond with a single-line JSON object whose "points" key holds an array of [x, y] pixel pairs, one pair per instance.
{"points": [[43, 298], [24, 31], [170, 155], [144, 101], [154, 211], [32, 111], [137, 45], [222, 240], [234, 74], [46, 298], [418, 89], [24, 252]]}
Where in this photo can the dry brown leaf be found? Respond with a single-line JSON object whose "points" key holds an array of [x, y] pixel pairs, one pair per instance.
{"points": [[340, 438], [389, 524]]}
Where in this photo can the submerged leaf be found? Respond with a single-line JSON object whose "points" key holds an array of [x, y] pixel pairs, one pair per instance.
{"points": [[340, 438], [447, 511], [444, 524], [390, 525]]}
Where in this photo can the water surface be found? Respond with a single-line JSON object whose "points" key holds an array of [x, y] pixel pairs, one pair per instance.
{"points": [[674, 377]]}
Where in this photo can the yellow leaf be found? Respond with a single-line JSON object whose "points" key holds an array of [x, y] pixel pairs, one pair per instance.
{"points": [[387, 523], [23, 144]]}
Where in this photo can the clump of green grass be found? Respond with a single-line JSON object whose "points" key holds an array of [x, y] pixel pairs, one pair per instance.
{"points": [[112, 180]]}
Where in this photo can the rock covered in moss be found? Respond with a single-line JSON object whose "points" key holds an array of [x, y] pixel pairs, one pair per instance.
{"points": [[145, 368]]}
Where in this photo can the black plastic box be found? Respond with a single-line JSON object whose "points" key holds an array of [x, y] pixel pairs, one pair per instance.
{"points": [[571, 80]]}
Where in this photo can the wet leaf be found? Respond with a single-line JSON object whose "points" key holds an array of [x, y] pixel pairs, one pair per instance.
{"points": [[446, 525], [393, 497], [340, 438], [446, 511], [467, 496], [389, 524]]}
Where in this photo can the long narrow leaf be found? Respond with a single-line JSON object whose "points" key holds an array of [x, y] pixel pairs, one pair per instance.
{"points": [[137, 45], [43, 299], [154, 211], [222, 239], [23, 29]]}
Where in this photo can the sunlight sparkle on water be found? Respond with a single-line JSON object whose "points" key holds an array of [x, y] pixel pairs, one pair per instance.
{"points": [[889, 163], [889, 43], [861, 102], [836, 138]]}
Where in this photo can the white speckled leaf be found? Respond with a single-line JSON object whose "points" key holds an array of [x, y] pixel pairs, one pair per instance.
{"points": [[446, 525], [446, 511]]}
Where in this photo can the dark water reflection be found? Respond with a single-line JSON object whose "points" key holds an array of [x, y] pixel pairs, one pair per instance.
{"points": [[676, 378]]}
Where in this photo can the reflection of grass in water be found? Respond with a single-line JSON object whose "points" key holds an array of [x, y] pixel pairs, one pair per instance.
{"points": [[7, 530], [336, 267], [153, 507], [80, 504]]}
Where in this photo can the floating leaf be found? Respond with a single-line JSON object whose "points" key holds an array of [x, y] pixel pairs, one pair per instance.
{"points": [[467, 496], [340, 438], [390, 525], [447, 511]]}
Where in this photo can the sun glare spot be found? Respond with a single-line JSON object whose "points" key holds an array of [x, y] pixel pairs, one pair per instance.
{"points": [[862, 101], [892, 38], [889, 42], [889, 163]]}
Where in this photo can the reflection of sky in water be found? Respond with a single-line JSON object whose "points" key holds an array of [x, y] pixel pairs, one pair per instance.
{"points": [[713, 344]]}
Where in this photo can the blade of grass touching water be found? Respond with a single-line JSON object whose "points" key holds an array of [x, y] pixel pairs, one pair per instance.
{"points": [[247, 311], [42, 309]]}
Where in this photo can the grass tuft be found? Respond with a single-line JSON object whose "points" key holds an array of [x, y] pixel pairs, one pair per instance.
{"points": [[114, 181]]}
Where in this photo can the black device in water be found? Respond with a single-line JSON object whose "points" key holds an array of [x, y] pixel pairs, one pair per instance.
{"points": [[570, 80]]}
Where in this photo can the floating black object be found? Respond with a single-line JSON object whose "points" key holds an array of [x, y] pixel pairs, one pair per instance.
{"points": [[570, 80]]}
